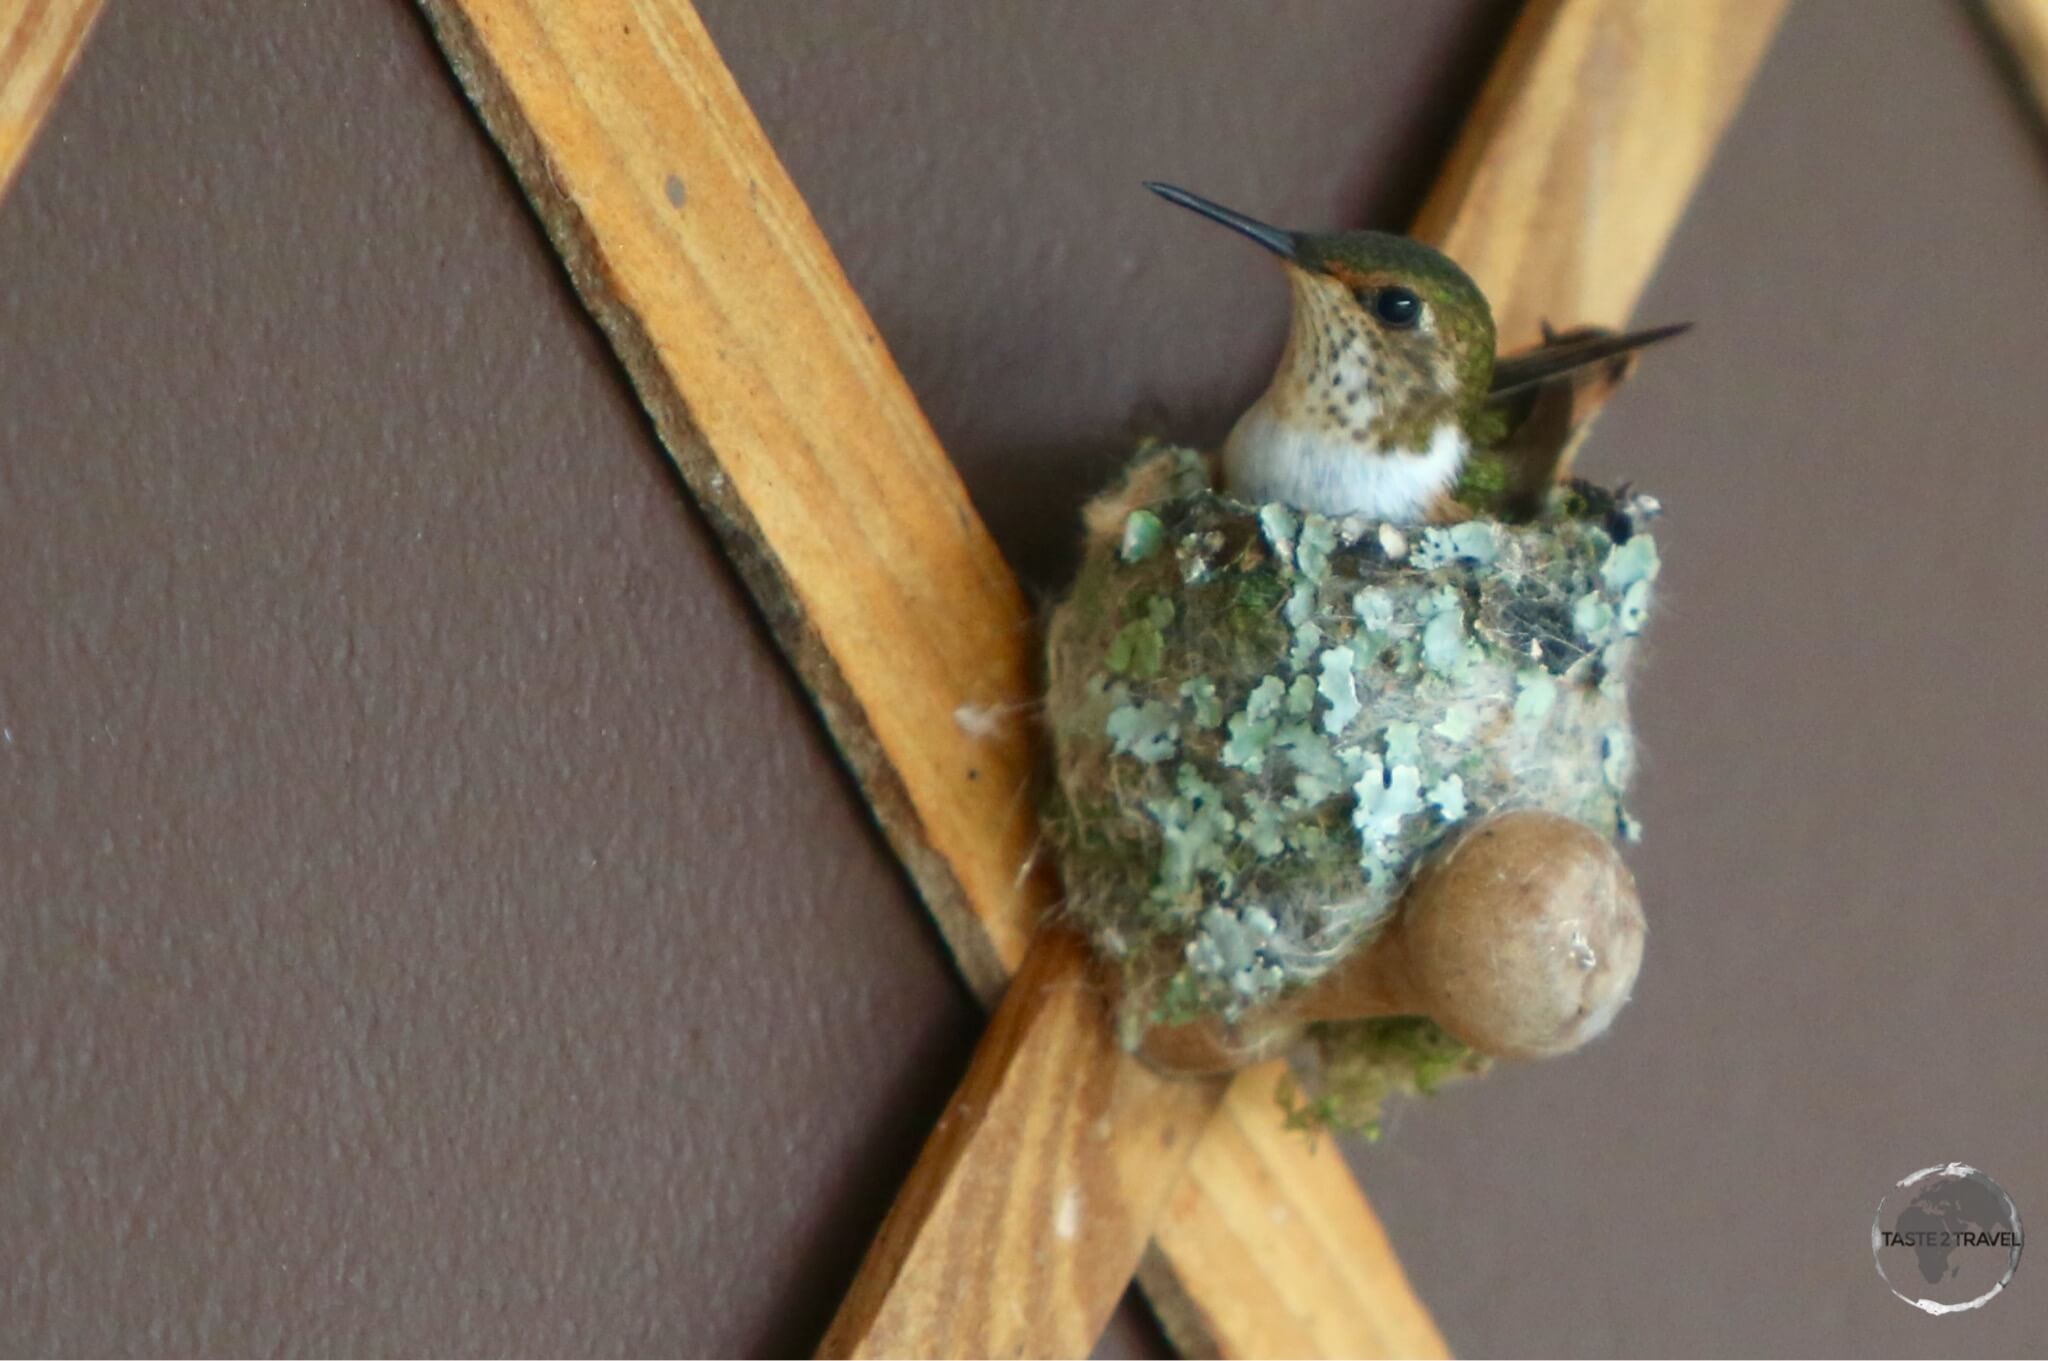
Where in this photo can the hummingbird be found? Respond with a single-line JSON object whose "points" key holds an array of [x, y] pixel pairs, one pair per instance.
{"points": [[1389, 383]]}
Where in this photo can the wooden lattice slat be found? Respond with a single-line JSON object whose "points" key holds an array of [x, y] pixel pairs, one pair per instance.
{"points": [[770, 388], [1039, 1189], [39, 41], [1585, 146], [2022, 27]]}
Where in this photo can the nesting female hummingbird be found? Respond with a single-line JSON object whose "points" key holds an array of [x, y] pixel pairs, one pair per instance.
{"points": [[1389, 380]]}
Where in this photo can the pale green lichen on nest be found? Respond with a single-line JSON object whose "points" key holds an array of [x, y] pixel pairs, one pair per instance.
{"points": [[1264, 719]]}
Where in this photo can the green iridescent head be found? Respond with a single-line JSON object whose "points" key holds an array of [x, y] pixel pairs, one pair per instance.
{"points": [[1414, 303]]}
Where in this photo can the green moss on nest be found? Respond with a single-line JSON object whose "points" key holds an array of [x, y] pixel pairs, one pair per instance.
{"points": [[1364, 1063], [1263, 720]]}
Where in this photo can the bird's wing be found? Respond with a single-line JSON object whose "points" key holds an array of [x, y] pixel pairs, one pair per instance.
{"points": [[1559, 355]]}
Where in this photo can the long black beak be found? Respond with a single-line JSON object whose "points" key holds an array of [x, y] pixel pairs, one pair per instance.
{"points": [[1515, 372], [1273, 239]]}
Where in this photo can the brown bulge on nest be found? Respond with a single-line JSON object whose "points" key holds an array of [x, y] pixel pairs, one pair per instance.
{"points": [[1148, 483], [1523, 940]]}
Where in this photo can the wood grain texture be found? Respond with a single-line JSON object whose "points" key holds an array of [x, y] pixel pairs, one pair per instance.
{"points": [[1586, 143], [1310, 1270], [39, 41], [778, 401], [2022, 27], [1033, 1202]]}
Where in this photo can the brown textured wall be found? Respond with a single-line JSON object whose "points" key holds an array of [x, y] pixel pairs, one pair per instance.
{"points": [[430, 920]]}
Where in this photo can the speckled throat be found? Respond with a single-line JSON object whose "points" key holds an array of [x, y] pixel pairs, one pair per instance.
{"points": [[1355, 421]]}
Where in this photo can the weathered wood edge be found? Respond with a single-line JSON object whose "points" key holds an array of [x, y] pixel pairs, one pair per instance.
{"points": [[39, 44], [967, 931]]}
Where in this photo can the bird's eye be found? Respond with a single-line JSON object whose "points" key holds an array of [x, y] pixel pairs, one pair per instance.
{"points": [[1397, 307]]}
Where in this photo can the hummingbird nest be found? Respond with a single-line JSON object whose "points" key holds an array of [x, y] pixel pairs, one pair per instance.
{"points": [[1264, 720]]}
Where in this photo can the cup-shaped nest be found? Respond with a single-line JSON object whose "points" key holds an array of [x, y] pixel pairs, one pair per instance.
{"points": [[1264, 720]]}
